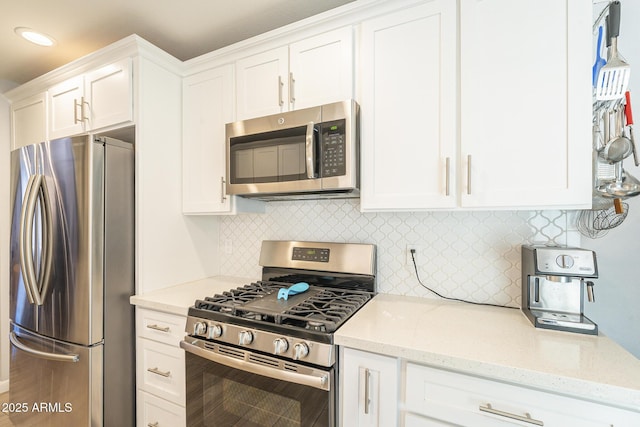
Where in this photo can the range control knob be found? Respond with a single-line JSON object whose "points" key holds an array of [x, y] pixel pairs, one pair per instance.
{"points": [[300, 351], [199, 328], [280, 346], [245, 338], [214, 331]]}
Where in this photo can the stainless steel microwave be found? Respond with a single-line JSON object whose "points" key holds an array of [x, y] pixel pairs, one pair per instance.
{"points": [[310, 153]]}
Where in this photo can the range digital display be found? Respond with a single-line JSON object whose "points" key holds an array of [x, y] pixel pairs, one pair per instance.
{"points": [[310, 254]]}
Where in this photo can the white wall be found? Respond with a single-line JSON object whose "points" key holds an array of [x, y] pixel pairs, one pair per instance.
{"points": [[618, 288], [4, 235]]}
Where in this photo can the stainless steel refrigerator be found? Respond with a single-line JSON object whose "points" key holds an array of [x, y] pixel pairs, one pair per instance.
{"points": [[72, 273]]}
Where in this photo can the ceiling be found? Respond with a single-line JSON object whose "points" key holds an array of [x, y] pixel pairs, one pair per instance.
{"points": [[183, 28]]}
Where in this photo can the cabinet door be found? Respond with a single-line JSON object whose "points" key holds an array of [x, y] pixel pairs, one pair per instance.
{"points": [[321, 69], [408, 108], [369, 385], [261, 87], [109, 95], [525, 103], [207, 106], [66, 104], [28, 121]]}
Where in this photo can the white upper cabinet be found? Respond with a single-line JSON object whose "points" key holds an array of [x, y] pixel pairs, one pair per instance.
{"points": [[517, 135], [28, 121], [525, 103], [261, 83], [309, 72], [90, 101], [408, 108], [321, 69], [207, 106]]}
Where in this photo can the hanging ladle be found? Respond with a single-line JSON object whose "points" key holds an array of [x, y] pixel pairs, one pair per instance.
{"points": [[620, 147]]}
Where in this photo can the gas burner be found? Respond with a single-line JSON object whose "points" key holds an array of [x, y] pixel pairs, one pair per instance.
{"points": [[315, 325]]}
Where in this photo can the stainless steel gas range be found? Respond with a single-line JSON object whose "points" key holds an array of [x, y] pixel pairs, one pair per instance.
{"points": [[262, 354]]}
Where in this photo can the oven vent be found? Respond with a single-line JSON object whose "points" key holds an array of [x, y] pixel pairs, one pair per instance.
{"points": [[290, 367], [226, 351], [264, 360]]}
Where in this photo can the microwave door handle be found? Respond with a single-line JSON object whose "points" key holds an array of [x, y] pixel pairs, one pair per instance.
{"points": [[310, 152]]}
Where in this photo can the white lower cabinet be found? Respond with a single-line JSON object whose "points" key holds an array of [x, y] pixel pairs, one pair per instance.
{"points": [[156, 412], [379, 390], [160, 369], [435, 397], [369, 389]]}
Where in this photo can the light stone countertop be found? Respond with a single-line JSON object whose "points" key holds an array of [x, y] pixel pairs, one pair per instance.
{"points": [[490, 342], [177, 299], [495, 343]]}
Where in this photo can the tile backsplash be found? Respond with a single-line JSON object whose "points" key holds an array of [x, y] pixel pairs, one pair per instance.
{"points": [[471, 255]]}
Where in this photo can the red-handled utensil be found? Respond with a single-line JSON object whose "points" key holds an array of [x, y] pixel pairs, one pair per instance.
{"points": [[629, 116]]}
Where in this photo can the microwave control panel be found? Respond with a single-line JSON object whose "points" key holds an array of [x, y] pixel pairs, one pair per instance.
{"points": [[332, 141]]}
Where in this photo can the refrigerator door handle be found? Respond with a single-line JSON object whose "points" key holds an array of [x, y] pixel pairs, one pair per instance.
{"points": [[42, 354], [36, 191]]}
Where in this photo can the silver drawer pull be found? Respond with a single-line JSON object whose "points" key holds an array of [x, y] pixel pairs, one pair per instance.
{"points": [[153, 424], [527, 417], [159, 372], [159, 328]]}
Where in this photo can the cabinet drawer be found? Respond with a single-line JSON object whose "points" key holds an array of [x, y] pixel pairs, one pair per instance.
{"points": [[161, 370], [161, 327], [469, 400], [155, 412]]}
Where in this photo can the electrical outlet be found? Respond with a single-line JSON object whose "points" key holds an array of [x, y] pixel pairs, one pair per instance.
{"points": [[228, 246], [415, 256]]}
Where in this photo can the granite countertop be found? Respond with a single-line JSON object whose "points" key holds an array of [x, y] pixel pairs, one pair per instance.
{"points": [[495, 343], [177, 299]]}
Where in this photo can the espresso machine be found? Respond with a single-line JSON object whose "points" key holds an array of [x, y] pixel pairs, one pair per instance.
{"points": [[553, 287]]}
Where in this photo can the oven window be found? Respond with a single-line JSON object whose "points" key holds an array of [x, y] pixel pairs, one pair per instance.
{"points": [[218, 395]]}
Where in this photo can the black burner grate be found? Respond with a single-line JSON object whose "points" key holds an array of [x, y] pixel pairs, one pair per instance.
{"points": [[321, 310]]}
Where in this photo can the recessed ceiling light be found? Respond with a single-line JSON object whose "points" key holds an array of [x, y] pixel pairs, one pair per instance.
{"points": [[34, 36]]}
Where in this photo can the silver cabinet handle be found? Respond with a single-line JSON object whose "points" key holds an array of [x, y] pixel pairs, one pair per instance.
{"points": [[42, 354], [280, 86], [223, 195], [292, 82], [469, 174], [447, 189], [157, 371], [526, 418], [79, 105], [367, 393], [159, 328]]}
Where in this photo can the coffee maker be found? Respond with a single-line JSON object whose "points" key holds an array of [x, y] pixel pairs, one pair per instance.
{"points": [[553, 287]]}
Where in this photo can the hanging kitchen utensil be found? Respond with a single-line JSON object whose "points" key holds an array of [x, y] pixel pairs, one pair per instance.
{"points": [[600, 61], [605, 215], [624, 186], [629, 116], [619, 147], [613, 78]]}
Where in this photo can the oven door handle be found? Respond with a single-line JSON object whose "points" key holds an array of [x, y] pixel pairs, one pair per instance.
{"points": [[319, 379]]}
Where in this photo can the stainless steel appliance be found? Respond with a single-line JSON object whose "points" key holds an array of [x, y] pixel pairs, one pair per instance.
{"points": [[72, 328], [308, 153], [255, 359], [553, 287]]}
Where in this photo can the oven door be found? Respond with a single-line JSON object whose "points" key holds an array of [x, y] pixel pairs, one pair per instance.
{"points": [[228, 386]]}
